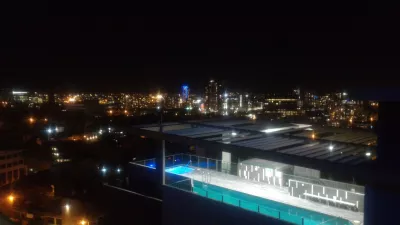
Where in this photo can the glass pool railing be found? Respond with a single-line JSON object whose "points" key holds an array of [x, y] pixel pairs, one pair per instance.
{"points": [[288, 214]]}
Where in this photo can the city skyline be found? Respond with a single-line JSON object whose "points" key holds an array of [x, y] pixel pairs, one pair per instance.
{"points": [[199, 119], [173, 89]]}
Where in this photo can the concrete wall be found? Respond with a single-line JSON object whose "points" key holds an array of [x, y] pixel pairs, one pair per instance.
{"points": [[306, 172], [299, 188], [124, 208], [260, 174], [183, 208]]}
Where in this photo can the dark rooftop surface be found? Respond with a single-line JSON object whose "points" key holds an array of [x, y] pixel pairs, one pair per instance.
{"points": [[341, 146]]}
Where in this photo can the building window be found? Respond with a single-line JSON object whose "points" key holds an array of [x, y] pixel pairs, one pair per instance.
{"points": [[3, 178], [22, 172], [9, 176]]}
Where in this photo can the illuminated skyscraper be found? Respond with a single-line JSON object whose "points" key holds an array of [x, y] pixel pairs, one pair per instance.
{"points": [[212, 96], [185, 93]]}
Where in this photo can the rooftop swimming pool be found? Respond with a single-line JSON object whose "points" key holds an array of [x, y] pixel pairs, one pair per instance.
{"points": [[264, 206], [267, 207], [179, 170]]}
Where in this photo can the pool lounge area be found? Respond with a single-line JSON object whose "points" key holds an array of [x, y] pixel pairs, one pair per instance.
{"points": [[261, 198]]}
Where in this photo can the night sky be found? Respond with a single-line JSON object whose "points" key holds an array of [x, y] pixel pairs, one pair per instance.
{"points": [[258, 54]]}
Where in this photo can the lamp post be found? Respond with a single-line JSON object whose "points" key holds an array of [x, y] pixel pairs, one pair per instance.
{"points": [[84, 222], [161, 99]]}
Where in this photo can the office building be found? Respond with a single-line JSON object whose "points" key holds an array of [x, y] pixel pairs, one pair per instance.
{"points": [[185, 93], [12, 166], [20, 96], [213, 97]]}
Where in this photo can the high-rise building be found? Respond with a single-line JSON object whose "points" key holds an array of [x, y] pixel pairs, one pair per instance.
{"points": [[212, 96], [185, 93]]}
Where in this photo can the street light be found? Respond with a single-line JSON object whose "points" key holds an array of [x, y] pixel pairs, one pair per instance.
{"points": [[84, 222], [11, 198], [330, 147], [67, 207]]}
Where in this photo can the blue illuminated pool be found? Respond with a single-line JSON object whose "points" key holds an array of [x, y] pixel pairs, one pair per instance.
{"points": [[264, 206], [179, 170], [267, 207]]}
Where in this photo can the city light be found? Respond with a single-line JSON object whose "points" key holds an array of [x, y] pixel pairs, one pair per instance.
{"points": [[159, 97], [368, 154], [110, 112], [234, 133], [49, 130], [31, 120], [118, 170], [19, 92], [67, 207], [45, 119], [71, 100], [313, 136], [83, 222], [330, 147], [11, 198], [104, 170]]}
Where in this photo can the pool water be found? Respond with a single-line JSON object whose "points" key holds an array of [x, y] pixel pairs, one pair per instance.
{"points": [[264, 206], [267, 207], [179, 170]]}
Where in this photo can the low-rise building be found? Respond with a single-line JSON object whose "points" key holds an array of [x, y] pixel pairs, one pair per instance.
{"points": [[12, 166]]}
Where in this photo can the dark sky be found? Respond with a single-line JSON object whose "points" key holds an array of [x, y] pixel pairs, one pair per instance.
{"points": [[249, 53]]}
